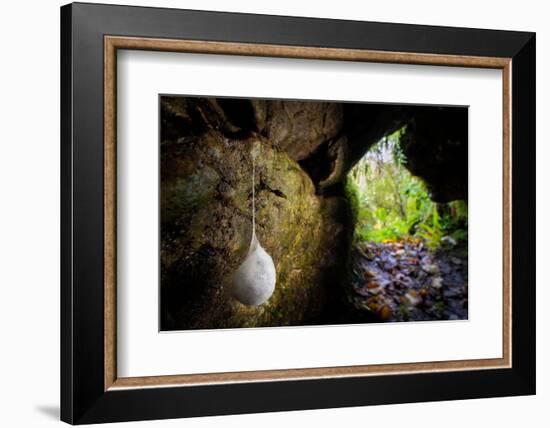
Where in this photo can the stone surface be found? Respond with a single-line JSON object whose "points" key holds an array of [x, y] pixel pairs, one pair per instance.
{"points": [[436, 146], [206, 229], [296, 127]]}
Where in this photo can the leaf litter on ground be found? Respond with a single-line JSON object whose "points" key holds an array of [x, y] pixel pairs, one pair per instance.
{"points": [[405, 281]]}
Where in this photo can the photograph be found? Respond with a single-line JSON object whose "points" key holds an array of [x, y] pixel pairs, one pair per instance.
{"points": [[281, 212], [264, 211]]}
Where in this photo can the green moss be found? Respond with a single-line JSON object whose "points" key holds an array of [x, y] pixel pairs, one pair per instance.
{"points": [[183, 196], [351, 192], [211, 194]]}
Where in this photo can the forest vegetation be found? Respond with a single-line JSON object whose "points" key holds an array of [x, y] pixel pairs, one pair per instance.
{"points": [[405, 245]]}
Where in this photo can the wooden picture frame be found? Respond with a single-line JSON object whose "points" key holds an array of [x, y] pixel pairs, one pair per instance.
{"points": [[91, 390]]}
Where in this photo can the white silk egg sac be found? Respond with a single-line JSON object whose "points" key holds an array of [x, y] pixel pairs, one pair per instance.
{"points": [[254, 281]]}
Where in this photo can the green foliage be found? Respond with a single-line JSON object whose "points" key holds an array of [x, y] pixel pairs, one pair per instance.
{"points": [[431, 231], [388, 203]]}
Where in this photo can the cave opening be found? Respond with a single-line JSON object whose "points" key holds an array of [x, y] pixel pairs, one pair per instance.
{"points": [[405, 246], [390, 203]]}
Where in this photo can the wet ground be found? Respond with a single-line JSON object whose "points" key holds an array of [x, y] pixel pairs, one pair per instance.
{"points": [[405, 281]]}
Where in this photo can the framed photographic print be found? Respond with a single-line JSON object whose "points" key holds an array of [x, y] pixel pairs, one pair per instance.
{"points": [[266, 213]]}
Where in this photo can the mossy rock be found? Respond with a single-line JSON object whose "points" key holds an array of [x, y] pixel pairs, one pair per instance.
{"points": [[206, 226]]}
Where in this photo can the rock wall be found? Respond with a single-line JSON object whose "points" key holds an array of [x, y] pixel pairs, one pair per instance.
{"points": [[206, 221], [436, 146]]}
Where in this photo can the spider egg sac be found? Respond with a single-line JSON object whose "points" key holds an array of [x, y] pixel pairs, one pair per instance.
{"points": [[254, 280]]}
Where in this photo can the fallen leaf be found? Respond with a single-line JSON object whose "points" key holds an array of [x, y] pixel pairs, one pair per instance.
{"points": [[413, 298], [385, 313], [437, 282]]}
